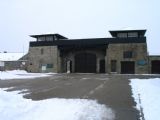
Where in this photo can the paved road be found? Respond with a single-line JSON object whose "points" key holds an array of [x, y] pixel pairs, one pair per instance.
{"points": [[112, 90]]}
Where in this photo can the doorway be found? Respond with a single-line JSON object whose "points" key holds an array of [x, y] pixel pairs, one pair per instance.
{"points": [[127, 67], [102, 66], [155, 68], [85, 63]]}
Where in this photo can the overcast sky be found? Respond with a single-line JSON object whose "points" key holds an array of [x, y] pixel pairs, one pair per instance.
{"points": [[76, 19]]}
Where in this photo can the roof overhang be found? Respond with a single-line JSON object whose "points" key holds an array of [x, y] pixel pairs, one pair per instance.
{"points": [[140, 32], [44, 35]]}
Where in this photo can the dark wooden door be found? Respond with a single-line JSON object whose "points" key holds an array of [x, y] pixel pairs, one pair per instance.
{"points": [[102, 66], [85, 63], [127, 67], [155, 67]]}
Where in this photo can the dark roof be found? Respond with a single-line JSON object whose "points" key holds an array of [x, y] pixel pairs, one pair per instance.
{"points": [[114, 32], [100, 41], [57, 35], [95, 41]]}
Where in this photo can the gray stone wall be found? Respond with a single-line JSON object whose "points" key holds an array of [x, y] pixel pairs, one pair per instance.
{"points": [[43, 55], [115, 52]]}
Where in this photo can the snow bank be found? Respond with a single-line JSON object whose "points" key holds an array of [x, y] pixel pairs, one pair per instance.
{"points": [[146, 94], [21, 74], [14, 107]]}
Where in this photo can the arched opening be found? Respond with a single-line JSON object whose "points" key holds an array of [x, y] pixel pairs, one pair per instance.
{"points": [[85, 63], [155, 69]]}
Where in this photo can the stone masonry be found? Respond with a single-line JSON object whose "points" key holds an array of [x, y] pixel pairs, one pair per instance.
{"points": [[115, 52], [39, 56]]}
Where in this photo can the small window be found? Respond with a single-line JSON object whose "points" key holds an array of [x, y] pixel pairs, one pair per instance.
{"points": [[113, 65], [128, 54], [122, 35], [49, 65], [133, 34], [49, 38], [42, 51], [55, 37], [41, 38]]}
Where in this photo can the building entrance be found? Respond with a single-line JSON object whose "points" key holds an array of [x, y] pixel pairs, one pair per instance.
{"points": [[127, 67], [85, 63], [155, 67], [102, 66]]}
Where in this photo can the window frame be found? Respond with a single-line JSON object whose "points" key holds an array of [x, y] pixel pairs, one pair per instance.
{"points": [[127, 54]]}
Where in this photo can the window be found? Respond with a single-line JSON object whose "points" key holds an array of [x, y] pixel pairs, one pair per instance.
{"points": [[129, 34], [42, 51], [49, 65], [128, 54], [113, 65], [41, 38], [133, 34], [122, 35], [49, 38], [55, 37]]}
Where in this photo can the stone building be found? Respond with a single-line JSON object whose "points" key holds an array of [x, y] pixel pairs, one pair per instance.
{"points": [[124, 53]]}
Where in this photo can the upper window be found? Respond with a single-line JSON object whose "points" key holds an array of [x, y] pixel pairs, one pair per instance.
{"points": [[128, 54], [49, 38], [122, 35], [132, 34], [41, 38], [129, 34]]}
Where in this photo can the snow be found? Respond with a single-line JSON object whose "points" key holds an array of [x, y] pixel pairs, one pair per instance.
{"points": [[14, 107], [10, 56], [21, 74], [146, 94]]}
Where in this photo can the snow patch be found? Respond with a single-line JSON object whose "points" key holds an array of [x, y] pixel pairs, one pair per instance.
{"points": [[14, 107], [146, 94], [21, 74]]}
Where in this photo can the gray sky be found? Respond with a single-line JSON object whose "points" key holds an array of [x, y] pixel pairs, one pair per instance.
{"points": [[75, 19]]}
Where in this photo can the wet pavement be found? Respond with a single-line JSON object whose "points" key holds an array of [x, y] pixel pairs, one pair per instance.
{"points": [[112, 90]]}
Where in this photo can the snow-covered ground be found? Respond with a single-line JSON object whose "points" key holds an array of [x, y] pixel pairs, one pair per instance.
{"points": [[14, 107], [21, 74], [146, 93]]}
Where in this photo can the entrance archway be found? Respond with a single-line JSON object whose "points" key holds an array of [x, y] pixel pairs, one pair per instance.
{"points": [[85, 63]]}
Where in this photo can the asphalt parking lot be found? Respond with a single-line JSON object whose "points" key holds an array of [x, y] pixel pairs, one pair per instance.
{"points": [[112, 90]]}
